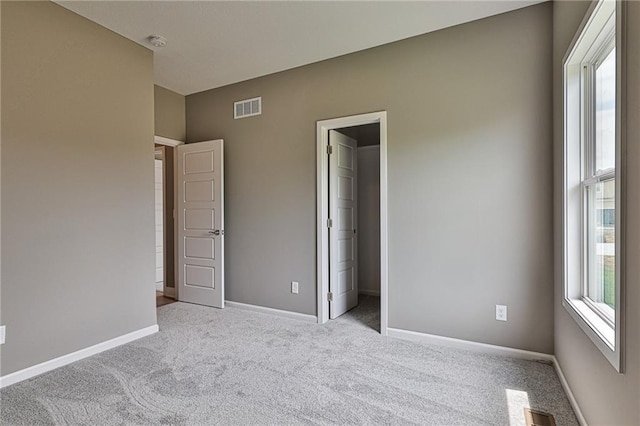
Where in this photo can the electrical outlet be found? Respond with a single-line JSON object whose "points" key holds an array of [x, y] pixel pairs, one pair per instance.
{"points": [[3, 331], [501, 312], [294, 287]]}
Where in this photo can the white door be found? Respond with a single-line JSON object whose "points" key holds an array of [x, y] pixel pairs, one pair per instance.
{"points": [[200, 208], [343, 247]]}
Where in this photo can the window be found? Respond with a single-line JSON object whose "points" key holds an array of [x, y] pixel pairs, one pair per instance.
{"points": [[599, 94], [592, 185]]}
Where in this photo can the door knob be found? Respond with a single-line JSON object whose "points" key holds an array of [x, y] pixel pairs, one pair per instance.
{"points": [[217, 232]]}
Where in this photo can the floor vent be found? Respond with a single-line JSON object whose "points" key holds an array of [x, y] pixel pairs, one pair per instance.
{"points": [[538, 418], [247, 108]]}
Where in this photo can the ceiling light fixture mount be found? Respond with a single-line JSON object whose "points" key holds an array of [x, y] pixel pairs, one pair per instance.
{"points": [[157, 40]]}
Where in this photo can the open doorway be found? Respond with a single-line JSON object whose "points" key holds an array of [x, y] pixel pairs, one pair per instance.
{"points": [[164, 223], [367, 191], [352, 219]]}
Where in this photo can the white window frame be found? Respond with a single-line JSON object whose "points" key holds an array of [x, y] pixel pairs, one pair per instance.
{"points": [[600, 31]]}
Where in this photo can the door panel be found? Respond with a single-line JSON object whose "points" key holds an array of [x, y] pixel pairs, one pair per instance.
{"points": [[199, 191], [198, 162], [345, 282], [201, 223], [345, 187], [198, 247], [343, 261], [199, 276], [199, 219], [345, 250]]}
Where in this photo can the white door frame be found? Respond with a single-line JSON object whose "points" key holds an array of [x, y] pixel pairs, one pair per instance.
{"points": [[161, 140], [322, 236], [162, 152]]}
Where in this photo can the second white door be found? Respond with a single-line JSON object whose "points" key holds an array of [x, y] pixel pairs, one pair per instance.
{"points": [[343, 204], [200, 208]]}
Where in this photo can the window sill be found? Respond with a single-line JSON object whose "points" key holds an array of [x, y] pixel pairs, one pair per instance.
{"points": [[599, 331]]}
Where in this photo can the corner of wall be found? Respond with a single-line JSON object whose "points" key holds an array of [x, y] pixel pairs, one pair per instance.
{"points": [[170, 114]]}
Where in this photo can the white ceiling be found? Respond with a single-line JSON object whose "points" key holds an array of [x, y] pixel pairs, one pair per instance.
{"points": [[215, 43]]}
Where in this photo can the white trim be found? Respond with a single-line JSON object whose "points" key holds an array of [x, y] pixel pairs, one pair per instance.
{"points": [[161, 140], [176, 263], [468, 345], [384, 227], [52, 364], [600, 332], [570, 396], [369, 292], [322, 234], [165, 219], [271, 311]]}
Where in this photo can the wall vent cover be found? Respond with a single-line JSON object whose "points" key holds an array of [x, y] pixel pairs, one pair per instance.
{"points": [[247, 108]]}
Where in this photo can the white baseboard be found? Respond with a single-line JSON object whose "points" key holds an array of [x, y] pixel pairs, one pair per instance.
{"points": [[468, 345], [159, 286], [567, 390], [46, 366], [369, 292], [272, 311]]}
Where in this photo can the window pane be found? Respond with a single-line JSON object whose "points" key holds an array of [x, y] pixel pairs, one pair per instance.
{"points": [[601, 233], [606, 113]]}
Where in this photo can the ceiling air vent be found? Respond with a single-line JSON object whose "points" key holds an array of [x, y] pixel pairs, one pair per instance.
{"points": [[247, 108]]}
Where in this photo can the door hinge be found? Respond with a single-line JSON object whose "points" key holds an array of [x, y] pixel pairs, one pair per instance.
{"points": [[329, 223], [330, 297], [329, 149]]}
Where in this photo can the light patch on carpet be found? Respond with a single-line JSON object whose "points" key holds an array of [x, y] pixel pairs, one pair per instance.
{"points": [[517, 401]]}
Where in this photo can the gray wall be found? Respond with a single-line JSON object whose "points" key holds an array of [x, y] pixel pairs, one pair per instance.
{"points": [[369, 219], [169, 114], [604, 396], [170, 122], [77, 184], [470, 177]]}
